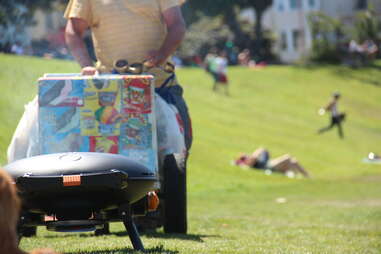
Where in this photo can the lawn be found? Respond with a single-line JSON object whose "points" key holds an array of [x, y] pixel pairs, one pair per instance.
{"points": [[232, 210]]}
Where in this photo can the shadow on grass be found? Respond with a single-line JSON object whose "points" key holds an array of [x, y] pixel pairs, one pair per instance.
{"points": [[150, 234], [161, 235], [155, 250], [68, 235], [348, 72], [356, 75]]}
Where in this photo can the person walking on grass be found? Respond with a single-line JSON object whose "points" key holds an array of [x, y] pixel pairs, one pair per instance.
{"points": [[209, 61], [336, 117], [220, 75]]}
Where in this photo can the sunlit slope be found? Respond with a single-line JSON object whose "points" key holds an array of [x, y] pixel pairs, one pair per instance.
{"points": [[231, 210], [275, 107]]}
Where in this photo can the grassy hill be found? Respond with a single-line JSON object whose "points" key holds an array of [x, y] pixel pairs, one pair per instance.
{"points": [[232, 210]]}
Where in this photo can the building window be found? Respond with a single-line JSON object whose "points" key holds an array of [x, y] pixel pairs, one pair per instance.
{"points": [[362, 4], [295, 39], [280, 5], [295, 4], [283, 41], [311, 3]]}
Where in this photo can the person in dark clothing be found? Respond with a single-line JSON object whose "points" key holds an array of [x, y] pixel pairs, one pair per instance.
{"points": [[336, 117]]}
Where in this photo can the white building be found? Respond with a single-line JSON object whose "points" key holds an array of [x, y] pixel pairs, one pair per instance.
{"points": [[288, 21]]}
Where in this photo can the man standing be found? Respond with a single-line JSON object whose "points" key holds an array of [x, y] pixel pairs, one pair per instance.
{"points": [[136, 30], [336, 117]]}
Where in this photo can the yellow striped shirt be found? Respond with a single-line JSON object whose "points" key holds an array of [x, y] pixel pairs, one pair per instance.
{"points": [[124, 29]]}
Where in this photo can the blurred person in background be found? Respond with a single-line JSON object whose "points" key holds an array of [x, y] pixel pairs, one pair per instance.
{"points": [[260, 159], [17, 49], [336, 117], [244, 57], [220, 75]]}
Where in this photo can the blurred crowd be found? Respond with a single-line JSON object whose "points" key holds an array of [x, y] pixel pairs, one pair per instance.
{"points": [[353, 53], [52, 46], [360, 54]]}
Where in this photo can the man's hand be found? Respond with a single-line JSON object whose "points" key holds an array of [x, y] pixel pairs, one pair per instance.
{"points": [[175, 34], [155, 58], [89, 70]]}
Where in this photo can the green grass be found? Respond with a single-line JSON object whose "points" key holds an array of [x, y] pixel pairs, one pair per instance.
{"points": [[232, 210]]}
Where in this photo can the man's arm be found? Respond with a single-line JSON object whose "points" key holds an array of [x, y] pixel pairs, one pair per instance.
{"points": [[174, 21], [75, 29], [329, 106]]}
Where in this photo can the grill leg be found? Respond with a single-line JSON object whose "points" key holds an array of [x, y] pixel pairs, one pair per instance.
{"points": [[133, 234], [125, 212]]}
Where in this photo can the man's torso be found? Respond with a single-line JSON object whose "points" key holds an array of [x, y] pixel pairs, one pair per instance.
{"points": [[125, 29]]}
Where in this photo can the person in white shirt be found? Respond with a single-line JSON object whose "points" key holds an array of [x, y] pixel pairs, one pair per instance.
{"points": [[220, 75]]}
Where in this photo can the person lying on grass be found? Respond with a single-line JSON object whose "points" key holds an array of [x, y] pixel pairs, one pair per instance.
{"points": [[260, 159]]}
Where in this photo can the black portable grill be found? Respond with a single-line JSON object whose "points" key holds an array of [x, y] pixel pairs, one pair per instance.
{"points": [[82, 191]]}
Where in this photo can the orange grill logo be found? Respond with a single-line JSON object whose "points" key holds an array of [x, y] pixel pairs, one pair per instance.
{"points": [[72, 180]]}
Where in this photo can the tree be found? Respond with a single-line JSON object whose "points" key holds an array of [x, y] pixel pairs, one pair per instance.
{"points": [[260, 7], [331, 36], [15, 16], [367, 26], [196, 9], [327, 35], [229, 9], [206, 33]]}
